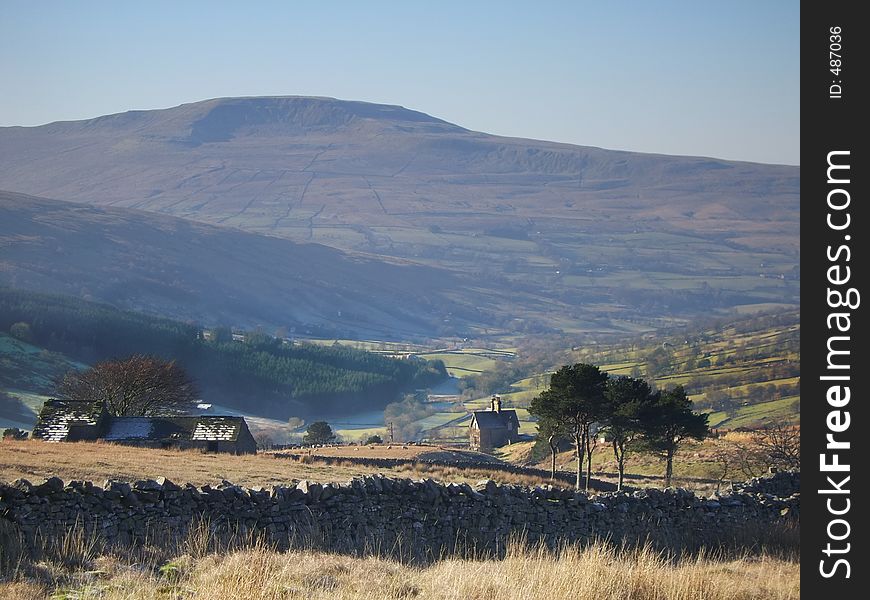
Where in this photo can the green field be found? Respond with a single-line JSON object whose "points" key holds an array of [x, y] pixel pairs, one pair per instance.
{"points": [[377, 346], [784, 409], [360, 435], [26, 417], [440, 419], [462, 363]]}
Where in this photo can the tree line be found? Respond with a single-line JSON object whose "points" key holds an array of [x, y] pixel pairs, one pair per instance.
{"points": [[278, 375], [583, 403]]}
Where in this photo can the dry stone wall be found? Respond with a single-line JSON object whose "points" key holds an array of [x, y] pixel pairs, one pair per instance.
{"points": [[374, 511]]}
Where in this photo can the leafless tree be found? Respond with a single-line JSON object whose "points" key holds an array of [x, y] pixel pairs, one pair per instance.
{"points": [[749, 459], [776, 445], [264, 441], [781, 445], [135, 386]]}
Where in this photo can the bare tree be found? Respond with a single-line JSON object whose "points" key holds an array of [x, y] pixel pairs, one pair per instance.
{"points": [[264, 441], [780, 444], [136, 386], [776, 445], [730, 456], [748, 458]]}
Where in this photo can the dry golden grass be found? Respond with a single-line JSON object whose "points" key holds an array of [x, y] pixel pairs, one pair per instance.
{"points": [[397, 450], [36, 460], [694, 462], [518, 453], [260, 573]]}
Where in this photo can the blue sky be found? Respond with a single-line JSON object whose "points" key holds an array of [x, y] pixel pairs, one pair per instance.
{"points": [[703, 78]]}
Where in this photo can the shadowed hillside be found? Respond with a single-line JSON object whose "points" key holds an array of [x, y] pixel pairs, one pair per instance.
{"points": [[182, 269]]}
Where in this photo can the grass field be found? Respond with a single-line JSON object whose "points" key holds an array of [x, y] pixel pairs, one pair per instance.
{"points": [[459, 362], [31, 404], [377, 346], [462, 364], [35, 461], [526, 573], [360, 434], [440, 419], [785, 409]]}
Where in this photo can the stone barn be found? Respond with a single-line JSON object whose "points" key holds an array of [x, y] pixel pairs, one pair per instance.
{"points": [[61, 421], [493, 428]]}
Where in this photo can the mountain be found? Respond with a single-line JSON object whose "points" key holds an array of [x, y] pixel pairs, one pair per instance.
{"points": [[560, 237]]}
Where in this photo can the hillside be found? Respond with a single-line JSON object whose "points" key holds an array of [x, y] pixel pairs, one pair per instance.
{"points": [[218, 276], [552, 236], [744, 371]]}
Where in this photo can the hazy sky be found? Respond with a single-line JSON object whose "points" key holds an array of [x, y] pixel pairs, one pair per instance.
{"points": [[704, 78]]}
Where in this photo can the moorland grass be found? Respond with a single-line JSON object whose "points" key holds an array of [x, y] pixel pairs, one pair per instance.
{"points": [[36, 461], [199, 567]]}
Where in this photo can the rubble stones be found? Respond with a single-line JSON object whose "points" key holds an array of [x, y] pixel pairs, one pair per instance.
{"points": [[51, 485], [781, 484]]}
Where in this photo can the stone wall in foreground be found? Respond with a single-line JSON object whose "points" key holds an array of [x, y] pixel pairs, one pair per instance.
{"points": [[375, 510]]}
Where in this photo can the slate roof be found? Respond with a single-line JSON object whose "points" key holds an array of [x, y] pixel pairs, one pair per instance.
{"points": [[489, 419], [57, 416], [128, 428], [192, 429]]}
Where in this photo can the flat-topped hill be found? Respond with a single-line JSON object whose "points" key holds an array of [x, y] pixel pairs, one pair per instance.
{"points": [[556, 236]]}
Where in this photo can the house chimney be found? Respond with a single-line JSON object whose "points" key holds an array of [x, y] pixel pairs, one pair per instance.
{"points": [[496, 403]]}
